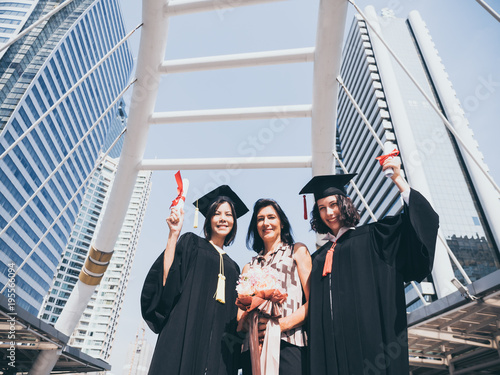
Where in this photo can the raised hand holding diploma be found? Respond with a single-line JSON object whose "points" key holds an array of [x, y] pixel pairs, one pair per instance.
{"points": [[182, 188], [394, 163], [174, 222], [388, 172]]}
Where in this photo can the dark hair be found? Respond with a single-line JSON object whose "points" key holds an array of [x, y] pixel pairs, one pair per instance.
{"points": [[207, 227], [254, 241], [349, 216]]}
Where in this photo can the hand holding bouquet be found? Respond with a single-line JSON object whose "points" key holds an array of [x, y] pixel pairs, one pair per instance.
{"points": [[259, 293]]}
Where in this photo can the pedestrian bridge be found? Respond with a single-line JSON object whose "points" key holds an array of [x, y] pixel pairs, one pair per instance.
{"points": [[456, 334]]}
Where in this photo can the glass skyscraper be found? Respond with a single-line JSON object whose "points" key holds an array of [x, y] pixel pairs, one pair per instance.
{"points": [[400, 114], [34, 73]]}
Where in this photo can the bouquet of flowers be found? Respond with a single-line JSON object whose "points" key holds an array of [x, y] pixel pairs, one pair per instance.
{"points": [[259, 293]]}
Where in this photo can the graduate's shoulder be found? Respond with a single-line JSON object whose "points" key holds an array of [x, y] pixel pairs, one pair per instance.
{"points": [[192, 240], [190, 236], [385, 221], [189, 243]]}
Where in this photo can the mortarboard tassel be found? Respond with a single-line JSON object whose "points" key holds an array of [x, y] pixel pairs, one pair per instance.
{"points": [[196, 212], [220, 293], [305, 207], [221, 289], [327, 268]]}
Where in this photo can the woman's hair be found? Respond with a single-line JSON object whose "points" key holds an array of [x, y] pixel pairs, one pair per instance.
{"points": [[349, 216], [207, 227], [254, 241]]}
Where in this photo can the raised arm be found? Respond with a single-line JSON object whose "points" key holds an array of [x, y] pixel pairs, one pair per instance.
{"points": [[174, 222], [397, 178]]}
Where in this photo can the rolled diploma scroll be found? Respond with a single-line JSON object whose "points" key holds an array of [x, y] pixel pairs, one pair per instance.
{"points": [[388, 148], [180, 203]]}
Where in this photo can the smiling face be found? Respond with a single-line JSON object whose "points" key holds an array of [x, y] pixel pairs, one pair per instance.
{"points": [[269, 224], [329, 212], [222, 221]]}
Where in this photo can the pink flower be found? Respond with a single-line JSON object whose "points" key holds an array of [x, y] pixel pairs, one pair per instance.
{"points": [[258, 279]]}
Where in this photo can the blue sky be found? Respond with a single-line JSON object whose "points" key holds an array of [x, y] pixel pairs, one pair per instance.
{"points": [[467, 39]]}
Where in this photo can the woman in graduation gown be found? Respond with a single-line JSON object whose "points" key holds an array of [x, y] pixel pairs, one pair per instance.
{"points": [[357, 310], [189, 294]]}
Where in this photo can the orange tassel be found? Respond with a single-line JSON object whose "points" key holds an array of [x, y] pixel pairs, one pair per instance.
{"points": [[305, 207], [327, 268]]}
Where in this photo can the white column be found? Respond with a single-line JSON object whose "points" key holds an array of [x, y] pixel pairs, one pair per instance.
{"points": [[327, 57], [442, 271], [488, 195]]}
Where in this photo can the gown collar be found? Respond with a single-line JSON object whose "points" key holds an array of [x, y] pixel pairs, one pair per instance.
{"points": [[219, 249], [331, 237]]}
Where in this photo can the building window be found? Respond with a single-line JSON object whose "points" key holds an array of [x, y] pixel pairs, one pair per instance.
{"points": [[10, 21], [6, 30], [14, 5]]}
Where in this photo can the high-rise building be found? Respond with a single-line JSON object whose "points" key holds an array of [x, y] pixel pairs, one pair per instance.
{"points": [[432, 158], [35, 72], [13, 16], [96, 330]]}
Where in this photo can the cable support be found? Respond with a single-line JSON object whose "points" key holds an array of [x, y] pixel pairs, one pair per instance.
{"points": [[65, 158], [359, 110], [83, 184], [73, 88], [372, 214], [432, 104], [46, 17], [489, 9]]}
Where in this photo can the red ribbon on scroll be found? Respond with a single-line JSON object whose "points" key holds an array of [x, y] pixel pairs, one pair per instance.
{"points": [[180, 190], [381, 159]]}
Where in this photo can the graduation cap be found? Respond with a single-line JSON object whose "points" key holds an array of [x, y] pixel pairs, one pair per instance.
{"points": [[224, 191], [324, 186]]}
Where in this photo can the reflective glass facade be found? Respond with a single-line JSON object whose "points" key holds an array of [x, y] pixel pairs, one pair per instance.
{"points": [[34, 73], [453, 195]]}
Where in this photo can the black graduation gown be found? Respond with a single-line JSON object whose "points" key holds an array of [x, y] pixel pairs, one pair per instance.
{"points": [[357, 314], [196, 333]]}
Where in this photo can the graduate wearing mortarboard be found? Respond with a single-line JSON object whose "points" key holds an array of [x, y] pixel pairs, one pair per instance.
{"points": [[189, 294], [357, 309]]}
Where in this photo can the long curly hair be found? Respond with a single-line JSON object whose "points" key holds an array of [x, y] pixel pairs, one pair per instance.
{"points": [[254, 241], [349, 216]]}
